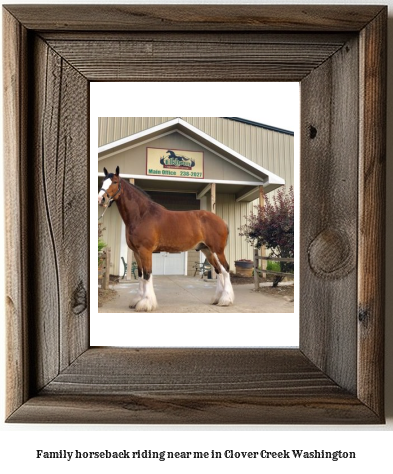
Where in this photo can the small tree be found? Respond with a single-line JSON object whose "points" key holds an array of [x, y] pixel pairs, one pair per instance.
{"points": [[101, 243], [273, 227]]}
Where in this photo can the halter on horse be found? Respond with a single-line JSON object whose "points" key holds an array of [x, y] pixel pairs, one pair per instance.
{"points": [[152, 228]]}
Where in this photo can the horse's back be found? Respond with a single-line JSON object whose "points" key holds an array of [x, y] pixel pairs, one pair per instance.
{"points": [[200, 224], [198, 216]]}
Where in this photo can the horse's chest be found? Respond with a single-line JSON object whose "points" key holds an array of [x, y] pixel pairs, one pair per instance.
{"points": [[137, 239], [130, 241]]}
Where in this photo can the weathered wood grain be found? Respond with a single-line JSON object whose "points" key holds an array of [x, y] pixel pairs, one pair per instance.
{"points": [[325, 39], [188, 60], [208, 371], [372, 196], [336, 376], [14, 70], [193, 386], [329, 216], [66, 185], [239, 409], [195, 17], [53, 215], [59, 171]]}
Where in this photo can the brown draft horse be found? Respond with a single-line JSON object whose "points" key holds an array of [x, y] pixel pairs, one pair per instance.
{"points": [[152, 228]]}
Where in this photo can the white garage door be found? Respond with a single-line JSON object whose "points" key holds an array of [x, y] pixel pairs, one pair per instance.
{"points": [[165, 263]]}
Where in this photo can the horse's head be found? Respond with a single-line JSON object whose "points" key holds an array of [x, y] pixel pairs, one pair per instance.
{"points": [[110, 188]]}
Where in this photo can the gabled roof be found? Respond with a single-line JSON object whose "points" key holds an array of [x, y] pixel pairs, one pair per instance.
{"points": [[258, 174]]}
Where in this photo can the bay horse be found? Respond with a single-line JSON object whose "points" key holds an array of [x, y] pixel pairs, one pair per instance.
{"points": [[151, 227]]}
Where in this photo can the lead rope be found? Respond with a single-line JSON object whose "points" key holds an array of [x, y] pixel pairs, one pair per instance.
{"points": [[102, 215], [110, 201]]}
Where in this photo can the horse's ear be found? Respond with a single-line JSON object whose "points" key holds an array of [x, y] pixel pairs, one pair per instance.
{"points": [[106, 172], [117, 171]]}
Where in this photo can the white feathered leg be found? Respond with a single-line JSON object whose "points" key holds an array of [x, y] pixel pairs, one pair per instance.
{"points": [[149, 300], [219, 289], [139, 296], [227, 296]]}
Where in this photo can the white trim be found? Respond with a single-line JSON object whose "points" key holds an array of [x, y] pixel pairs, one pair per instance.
{"points": [[231, 152], [135, 145], [271, 177], [171, 132], [192, 180], [205, 190], [138, 135], [218, 154], [247, 194], [169, 190]]}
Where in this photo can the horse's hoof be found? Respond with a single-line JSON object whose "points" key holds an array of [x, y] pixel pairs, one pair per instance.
{"points": [[145, 305], [134, 303], [226, 299]]}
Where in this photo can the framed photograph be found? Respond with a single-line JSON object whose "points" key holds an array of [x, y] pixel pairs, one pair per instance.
{"points": [[52, 53], [183, 288]]}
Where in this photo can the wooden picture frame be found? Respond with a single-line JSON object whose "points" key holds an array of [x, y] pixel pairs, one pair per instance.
{"points": [[338, 54]]}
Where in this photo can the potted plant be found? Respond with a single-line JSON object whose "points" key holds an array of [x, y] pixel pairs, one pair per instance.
{"points": [[244, 267]]}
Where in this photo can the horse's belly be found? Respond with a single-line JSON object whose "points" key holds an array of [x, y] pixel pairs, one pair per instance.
{"points": [[173, 247], [177, 243]]}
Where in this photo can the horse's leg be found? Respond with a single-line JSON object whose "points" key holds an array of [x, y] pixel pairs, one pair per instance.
{"points": [[227, 296], [220, 280], [139, 296], [149, 300]]}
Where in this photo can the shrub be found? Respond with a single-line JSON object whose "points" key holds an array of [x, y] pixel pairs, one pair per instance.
{"points": [[272, 226], [101, 243], [273, 266]]}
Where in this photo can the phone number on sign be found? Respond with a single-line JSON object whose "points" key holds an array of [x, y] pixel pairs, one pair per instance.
{"points": [[194, 174]]}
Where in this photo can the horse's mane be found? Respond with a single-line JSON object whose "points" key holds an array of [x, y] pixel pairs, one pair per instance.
{"points": [[138, 189]]}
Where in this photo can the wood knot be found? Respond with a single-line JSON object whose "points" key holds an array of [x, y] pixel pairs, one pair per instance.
{"points": [[313, 132], [80, 299], [330, 254], [363, 315]]}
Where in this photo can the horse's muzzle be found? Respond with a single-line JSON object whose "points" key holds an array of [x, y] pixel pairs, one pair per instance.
{"points": [[101, 200]]}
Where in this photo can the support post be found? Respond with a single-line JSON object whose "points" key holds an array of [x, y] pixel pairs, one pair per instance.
{"points": [[129, 251], [213, 210], [105, 277], [262, 204], [213, 198], [256, 276]]}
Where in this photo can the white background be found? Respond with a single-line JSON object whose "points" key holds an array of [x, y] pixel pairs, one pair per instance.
{"points": [[275, 104], [371, 443]]}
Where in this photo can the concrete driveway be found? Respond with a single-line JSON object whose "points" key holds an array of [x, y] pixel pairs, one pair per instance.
{"points": [[181, 294]]}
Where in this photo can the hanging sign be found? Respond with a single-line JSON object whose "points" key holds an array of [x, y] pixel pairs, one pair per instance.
{"points": [[173, 163]]}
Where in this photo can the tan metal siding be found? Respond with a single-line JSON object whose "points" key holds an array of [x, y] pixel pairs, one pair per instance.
{"points": [[112, 228], [270, 149], [267, 148], [234, 214], [193, 257], [115, 128]]}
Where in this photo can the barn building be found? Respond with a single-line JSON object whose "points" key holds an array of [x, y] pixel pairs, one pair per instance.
{"points": [[214, 163]]}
